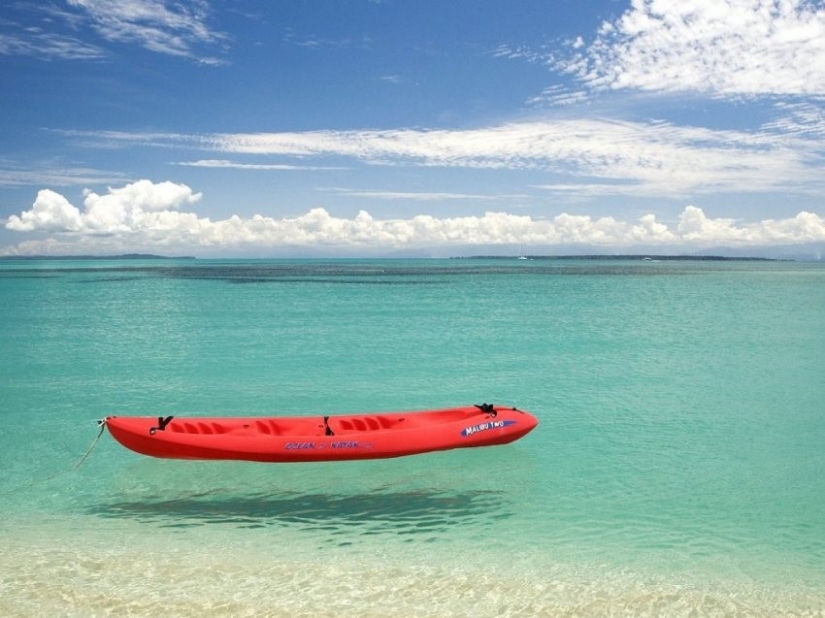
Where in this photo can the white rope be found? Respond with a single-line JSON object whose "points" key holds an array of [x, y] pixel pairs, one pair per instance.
{"points": [[102, 423]]}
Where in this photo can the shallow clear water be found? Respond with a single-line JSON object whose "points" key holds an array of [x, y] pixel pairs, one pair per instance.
{"points": [[678, 468]]}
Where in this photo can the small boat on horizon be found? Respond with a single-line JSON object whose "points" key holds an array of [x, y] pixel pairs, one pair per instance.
{"points": [[321, 438]]}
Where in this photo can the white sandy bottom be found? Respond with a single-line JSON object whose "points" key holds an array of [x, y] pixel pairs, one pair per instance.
{"points": [[124, 577]]}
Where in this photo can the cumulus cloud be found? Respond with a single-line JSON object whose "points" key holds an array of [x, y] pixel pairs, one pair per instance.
{"points": [[721, 47], [51, 212], [148, 216], [142, 206], [695, 227]]}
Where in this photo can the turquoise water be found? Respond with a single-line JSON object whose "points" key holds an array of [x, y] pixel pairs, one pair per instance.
{"points": [[678, 470]]}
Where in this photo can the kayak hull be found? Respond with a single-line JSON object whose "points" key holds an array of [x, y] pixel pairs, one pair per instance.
{"points": [[321, 438]]}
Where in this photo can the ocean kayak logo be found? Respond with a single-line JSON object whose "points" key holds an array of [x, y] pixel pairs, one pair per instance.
{"points": [[469, 431], [299, 446], [303, 446]]}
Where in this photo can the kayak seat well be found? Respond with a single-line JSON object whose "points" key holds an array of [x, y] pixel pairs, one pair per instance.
{"points": [[270, 428], [199, 427], [367, 423]]}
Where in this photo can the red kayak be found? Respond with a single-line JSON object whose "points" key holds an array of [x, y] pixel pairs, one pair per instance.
{"points": [[321, 438]]}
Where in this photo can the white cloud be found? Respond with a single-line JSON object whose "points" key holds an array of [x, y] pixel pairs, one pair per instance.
{"points": [[804, 119], [51, 212], [14, 174], [656, 158], [720, 47], [47, 46], [695, 227], [146, 216], [162, 26], [226, 164], [165, 27], [142, 206], [424, 196], [315, 42]]}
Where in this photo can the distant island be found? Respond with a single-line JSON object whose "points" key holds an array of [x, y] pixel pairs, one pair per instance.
{"points": [[598, 256], [125, 256], [642, 257]]}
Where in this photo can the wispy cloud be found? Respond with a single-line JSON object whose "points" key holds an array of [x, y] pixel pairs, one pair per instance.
{"points": [[227, 164], [19, 40], [172, 28], [558, 95], [801, 118], [48, 47], [13, 174], [312, 41], [176, 29], [147, 215], [117, 139], [424, 196], [659, 158]]}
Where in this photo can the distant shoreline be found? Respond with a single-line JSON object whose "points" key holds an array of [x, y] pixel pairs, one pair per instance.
{"points": [[126, 256], [642, 257], [591, 257]]}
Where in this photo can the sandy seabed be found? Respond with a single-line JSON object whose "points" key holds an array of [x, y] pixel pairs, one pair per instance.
{"points": [[142, 576]]}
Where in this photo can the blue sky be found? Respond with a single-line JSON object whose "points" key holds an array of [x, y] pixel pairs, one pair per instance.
{"points": [[401, 127]]}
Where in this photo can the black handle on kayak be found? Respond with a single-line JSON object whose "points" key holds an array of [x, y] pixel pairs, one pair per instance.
{"points": [[487, 408], [162, 423]]}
